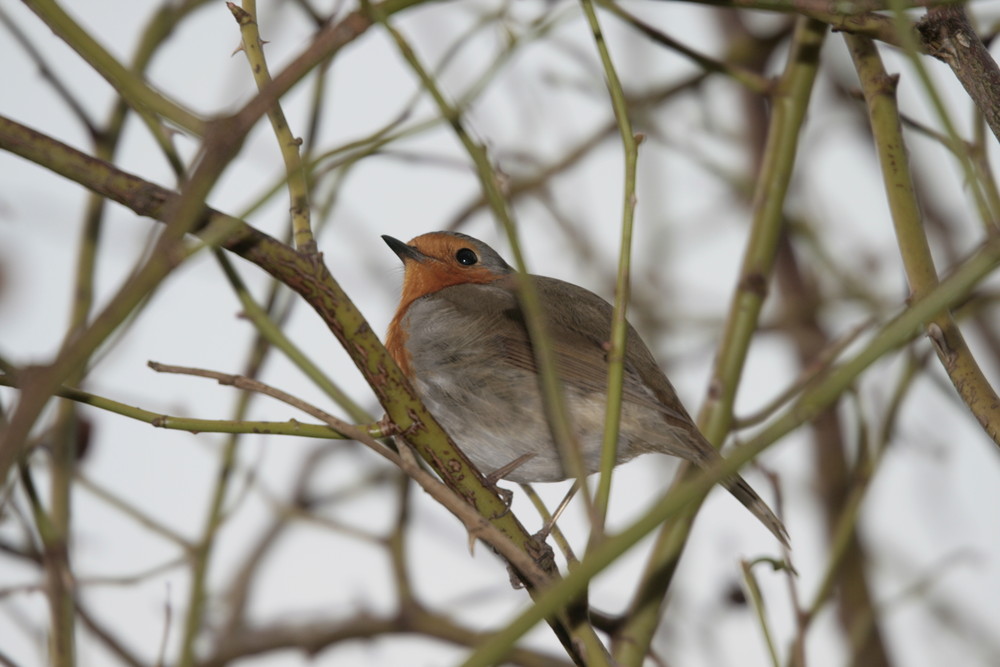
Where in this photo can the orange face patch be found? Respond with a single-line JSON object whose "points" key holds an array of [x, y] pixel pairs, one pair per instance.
{"points": [[442, 267]]}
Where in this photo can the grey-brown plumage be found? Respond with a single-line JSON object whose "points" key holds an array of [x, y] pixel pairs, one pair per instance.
{"points": [[460, 335]]}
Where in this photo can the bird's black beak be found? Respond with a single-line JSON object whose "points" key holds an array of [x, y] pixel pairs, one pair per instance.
{"points": [[403, 251]]}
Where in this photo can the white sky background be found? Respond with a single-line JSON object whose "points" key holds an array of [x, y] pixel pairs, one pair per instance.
{"points": [[930, 518]]}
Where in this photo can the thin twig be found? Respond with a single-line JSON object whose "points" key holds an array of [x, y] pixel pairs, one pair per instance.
{"points": [[298, 188], [476, 524]]}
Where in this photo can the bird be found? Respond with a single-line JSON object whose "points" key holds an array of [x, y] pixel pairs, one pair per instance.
{"points": [[460, 336]]}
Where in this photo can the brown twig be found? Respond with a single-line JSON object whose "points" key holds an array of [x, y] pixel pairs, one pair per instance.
{"points": [[475, 523], [946, 33]]}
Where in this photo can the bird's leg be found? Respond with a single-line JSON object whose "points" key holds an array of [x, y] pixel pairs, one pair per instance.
{"points": [[505, 470], [563, 504], [540, 551], [506, 494]]}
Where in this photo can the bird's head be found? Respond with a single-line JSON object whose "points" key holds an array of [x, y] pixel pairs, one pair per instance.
{"points": [[437, 260]]}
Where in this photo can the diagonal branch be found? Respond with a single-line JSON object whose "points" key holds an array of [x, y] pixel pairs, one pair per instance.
{"points": [[946, 34], [309, 276], [880, 95]]}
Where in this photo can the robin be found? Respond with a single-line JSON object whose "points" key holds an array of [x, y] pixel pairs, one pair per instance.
{"points": [[460, 336]]}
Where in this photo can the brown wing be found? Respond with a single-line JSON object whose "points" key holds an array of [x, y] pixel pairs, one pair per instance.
{"points": [[579, 324], [579, 335]]}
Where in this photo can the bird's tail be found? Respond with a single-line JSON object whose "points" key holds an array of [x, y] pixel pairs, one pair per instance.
{"points": [[688, 443], [704, 455], [746, 495]]}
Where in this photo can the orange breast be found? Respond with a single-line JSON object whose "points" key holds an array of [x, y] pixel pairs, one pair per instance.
{"points": [[395, 343]]}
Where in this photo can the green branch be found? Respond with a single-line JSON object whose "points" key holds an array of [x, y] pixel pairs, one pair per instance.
{"points": [[956, 357], [899, 331], [311, 279], [193, 425], [139, 95], [298, 187], [619, 326], [790, 100]]}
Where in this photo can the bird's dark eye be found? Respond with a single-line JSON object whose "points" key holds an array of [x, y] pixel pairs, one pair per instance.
{"points": [[466, 257]]}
